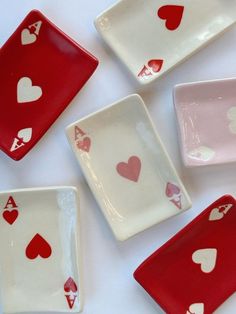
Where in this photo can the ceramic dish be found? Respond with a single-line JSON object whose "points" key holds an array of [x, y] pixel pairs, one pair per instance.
{"points": [[40, 259], [41, 71], [194, 272], [152, 36], [206, 114], [127, 167]]}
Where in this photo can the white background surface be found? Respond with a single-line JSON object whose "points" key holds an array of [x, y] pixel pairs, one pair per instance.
{"points": [[108, 265]]}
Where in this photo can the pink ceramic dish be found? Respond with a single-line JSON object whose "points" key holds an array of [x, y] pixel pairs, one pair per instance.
{"points": [[206, 114]]}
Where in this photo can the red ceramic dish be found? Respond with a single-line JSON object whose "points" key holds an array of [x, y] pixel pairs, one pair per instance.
{"points": [[42, 69], [194, 272]]}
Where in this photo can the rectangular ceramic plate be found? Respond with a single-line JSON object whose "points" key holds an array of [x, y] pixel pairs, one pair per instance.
{"points": [[194, 272], [36, 63], [207, 141], [127, 167], [151, 38], [40, 258]]}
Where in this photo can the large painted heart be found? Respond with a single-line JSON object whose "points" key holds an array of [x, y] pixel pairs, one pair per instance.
{"points": [[10, 216], [206, 258], [38, 246], [26, 92], [172, 14], [70, 286], [131, 169]]}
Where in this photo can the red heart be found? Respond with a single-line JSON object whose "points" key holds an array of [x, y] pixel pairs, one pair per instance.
{"points": [[10, 216], [84, 144], [38, 246], [172, 14], [155, 65], [70, 285], [172, 189], [131, 169]]}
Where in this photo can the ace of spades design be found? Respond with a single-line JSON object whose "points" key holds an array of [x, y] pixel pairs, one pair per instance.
{"points": [[203, 255], [38, 80], [40, 267]]}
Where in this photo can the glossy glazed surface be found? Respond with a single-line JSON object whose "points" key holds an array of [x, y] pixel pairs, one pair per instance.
{"points": [[206, 113], [194, 272], [127, 167], [41, 71], [40, 259], [152, 36]]}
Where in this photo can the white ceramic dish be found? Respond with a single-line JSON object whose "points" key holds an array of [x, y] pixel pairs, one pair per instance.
{"points": [[152, 36], [127, 167], [40, 259]]}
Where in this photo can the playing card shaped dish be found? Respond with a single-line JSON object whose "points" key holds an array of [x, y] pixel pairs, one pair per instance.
{"points": [[127, 167], [206, 114], [152, 36], [194, 272], [40, 251], [42, 69]]}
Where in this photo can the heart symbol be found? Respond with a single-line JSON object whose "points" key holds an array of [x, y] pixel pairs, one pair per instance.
{"points": [[25, 135], [38, 246], [202, 153], [231, 114], [10, 216], [172, 189], [27, 37], [131, 169], [84, 144], [196, 308], [155, 65], [70, 285], [220, 212], [206, 258], [26, 92], [172, 14]]}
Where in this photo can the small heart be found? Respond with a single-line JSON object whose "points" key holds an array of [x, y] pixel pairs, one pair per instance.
{"points": [[70, 286], [172, 189], [26, 92], [38, 246], [206, 258], [172, 14], [219, 212], [27, 37], [10, 216], [25, 135], [131, 169], [196, 308], [155, 65], [84, 144]]}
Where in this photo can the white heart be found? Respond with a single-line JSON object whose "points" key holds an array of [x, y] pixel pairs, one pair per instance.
{"points": [[26, 92], [206, 258], [202, 153], [27, 38], [217, 213], [196, 308], [25, 134]]}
